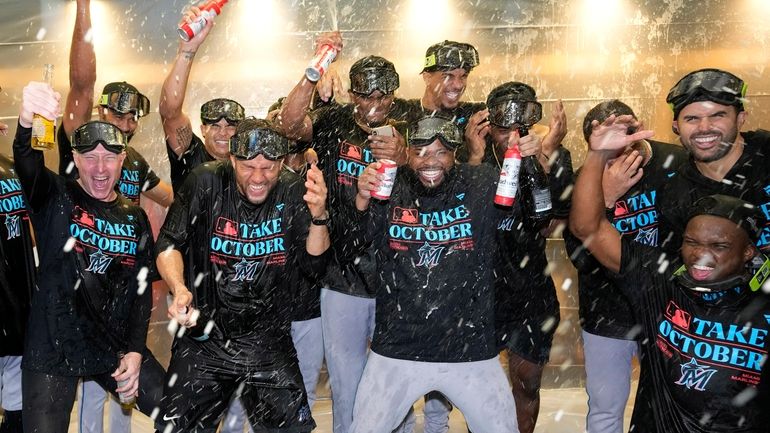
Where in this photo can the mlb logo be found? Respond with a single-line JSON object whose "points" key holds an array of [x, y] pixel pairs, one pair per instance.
{"points": [[83, 217], [621, 208], [351, 151], [677, 316], [404, 215], [227, 227]]}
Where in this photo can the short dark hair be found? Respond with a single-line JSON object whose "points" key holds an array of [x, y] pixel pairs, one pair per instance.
{"points": [[600, 112]]}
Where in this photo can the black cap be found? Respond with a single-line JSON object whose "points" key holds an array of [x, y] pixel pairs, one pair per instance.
{"points": [[511, 91], [121, 86], [373, 73], [742, 213], [449, 55]]}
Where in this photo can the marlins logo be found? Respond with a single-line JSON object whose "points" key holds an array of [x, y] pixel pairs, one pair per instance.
{"points": [[99, 262], [245, 270], [12, 226], [647, 237], [695, 376], [429, 255]]}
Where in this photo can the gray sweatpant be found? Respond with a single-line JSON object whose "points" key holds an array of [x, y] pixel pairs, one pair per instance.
{"points": [[390, 386], [608, 381]]}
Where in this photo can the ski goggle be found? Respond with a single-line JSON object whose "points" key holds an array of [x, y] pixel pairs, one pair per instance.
{"points": [[718, 86], [259, 141], [367, 80], [452, 56], [510, 113], [126, 102], [216, 109], [91, 134], [428, 129]]}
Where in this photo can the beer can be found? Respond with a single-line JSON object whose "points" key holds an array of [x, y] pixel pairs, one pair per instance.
{"points": [[388, 168], [320, 63]]}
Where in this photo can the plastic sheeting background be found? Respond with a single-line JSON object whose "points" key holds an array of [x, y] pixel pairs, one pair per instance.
{"points": [[582, 51]]}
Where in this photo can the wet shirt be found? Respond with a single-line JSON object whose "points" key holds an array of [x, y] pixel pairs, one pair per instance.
{"points": [[703, 368], [136, 176], [17, 263], [434, 247], [181, 166], [748, 179], [524, 292], [604, 310], [412, 110], [239, 259], [94, 291], [343, 154]]}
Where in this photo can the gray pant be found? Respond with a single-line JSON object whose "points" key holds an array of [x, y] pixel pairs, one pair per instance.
{"points": [[608, 381], [348, 326], [91, 410], [307, 336], [390, 386]]}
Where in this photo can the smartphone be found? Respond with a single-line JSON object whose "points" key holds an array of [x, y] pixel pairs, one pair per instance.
{"points": [[386, 130]]}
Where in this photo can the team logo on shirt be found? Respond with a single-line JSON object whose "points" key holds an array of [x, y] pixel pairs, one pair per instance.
{"points": [[695, 376], [244, 246], [103, 240], [351, 162], [430, 234], [99, 262], [637, 214], [245, 270], [13, 226], [429, 255]]}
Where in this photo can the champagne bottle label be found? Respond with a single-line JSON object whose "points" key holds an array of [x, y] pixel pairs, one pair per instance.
{"points": [[542, 200]]}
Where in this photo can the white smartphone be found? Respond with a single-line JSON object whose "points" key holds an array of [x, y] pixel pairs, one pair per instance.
{"points": [[386, 130]]}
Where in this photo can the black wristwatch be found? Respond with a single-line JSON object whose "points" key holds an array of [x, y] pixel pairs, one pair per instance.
{"points": [[323, 220]]}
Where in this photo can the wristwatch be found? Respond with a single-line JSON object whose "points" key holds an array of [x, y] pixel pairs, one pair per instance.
{"points": [[323, 220]]}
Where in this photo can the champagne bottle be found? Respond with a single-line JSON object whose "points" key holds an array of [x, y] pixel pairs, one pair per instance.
{"points": [[535, 189], [43, 130]]}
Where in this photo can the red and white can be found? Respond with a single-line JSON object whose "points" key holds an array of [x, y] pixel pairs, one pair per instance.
{"points": [[320, 63], [388, 168]]}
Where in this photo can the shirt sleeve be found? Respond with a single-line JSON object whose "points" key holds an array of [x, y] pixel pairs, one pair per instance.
{"points": [[36, 179], [640, 267], [141, 309], [177, 228], [66, 162]]}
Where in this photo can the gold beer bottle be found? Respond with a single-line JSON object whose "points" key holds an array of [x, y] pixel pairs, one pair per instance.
{"points": [[43, 130]]}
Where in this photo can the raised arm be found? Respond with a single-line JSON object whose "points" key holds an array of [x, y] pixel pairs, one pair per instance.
{"points": [[587, 220], [82, 72], [29, 163], [176, 124], [293, 120]]}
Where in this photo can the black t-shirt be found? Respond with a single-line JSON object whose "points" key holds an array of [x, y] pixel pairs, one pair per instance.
{"points": [[95, 278], [434, 249], [748, 179], [343, 154], [136, 176], [411, 110], [181, 166], [524, 292], [17, 262], [237, 256], [604, 310], [703, 369]]}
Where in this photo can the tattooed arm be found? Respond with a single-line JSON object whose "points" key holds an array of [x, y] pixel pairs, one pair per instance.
{"points": [[176, 124]]}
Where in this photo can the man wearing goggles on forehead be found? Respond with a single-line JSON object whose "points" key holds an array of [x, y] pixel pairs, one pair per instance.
{"points": [[120, 104], [219, 117], [434, 241], [631, 184], [90, 317], [445, 73], [235, 240], [709, 111], [346, 141]]}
